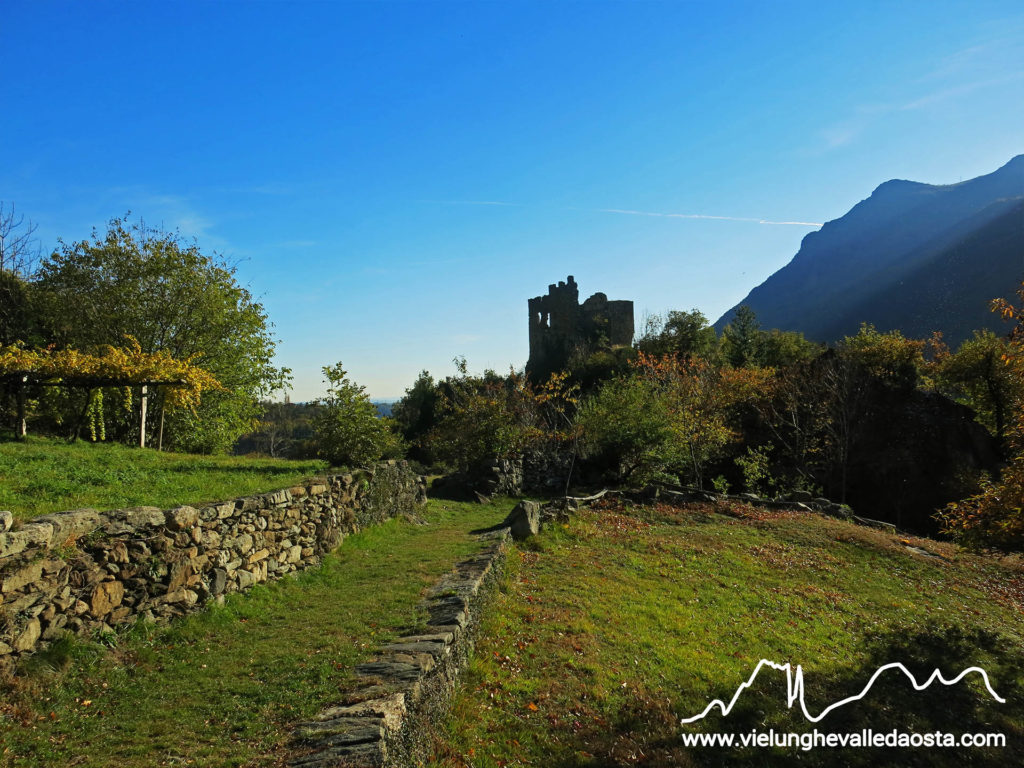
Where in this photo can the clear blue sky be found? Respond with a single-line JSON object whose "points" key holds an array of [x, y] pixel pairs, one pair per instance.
{"points": [[395, 180]]}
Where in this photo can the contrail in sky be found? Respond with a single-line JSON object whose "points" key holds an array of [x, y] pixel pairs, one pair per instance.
{"points": [[708, 216], [628, 212]]}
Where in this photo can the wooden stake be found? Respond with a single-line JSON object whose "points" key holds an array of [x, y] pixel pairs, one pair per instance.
{"points": [[21, 427], [160, 439], [142, 417]]}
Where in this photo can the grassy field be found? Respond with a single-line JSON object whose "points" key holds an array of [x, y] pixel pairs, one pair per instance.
{"points": [[46, 475], [221, 687], [611, 629]]}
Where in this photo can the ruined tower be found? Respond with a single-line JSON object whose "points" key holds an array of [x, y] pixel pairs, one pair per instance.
{"points": [[561, 327]]}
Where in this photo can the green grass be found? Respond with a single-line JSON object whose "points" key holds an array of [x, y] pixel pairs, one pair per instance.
{"points": [[44, 475], [611, 629], [221, 687]]}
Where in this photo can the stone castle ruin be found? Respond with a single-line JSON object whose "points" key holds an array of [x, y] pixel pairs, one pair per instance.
{"points": [[561, 327]]}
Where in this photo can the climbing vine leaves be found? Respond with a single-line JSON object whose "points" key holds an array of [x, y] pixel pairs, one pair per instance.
{"points": [[111, 366]]}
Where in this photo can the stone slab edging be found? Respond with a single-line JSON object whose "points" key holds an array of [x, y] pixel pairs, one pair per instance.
{"points": [[409, 682], [87, 572], [677, 495]]}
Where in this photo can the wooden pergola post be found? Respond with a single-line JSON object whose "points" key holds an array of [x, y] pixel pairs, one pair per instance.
{"points": [[160, 438], [21, 426], [142, 416], [20, 380]]}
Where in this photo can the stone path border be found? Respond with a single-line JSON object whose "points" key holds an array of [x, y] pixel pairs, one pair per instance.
{"points": [[380, 723]]}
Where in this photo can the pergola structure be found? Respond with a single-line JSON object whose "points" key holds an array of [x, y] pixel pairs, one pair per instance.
{"points": [[23, 379]]}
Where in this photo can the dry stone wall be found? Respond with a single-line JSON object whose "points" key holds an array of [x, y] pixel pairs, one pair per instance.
{"points": [[383, 721], [87, 572]]}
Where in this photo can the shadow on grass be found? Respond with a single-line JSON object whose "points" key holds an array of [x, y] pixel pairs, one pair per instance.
{"points": [[489, 529], [226, 470], [647, 733]]}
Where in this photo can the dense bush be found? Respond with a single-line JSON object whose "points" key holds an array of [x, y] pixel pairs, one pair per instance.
{"points": [[669, 418], [347, 430]]}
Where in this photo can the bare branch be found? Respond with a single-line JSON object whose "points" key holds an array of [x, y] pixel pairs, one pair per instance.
{"points": [[19, 248]]}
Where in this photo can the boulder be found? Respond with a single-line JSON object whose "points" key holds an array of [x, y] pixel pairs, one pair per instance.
{"points": [[182, 518], [29, 536], [69, 526], [218, 581], [841, 511], [17, 579], [132, 520], [524, 520]]}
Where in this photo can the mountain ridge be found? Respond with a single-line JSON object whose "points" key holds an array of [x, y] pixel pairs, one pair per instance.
{"points": [[891, 239]]}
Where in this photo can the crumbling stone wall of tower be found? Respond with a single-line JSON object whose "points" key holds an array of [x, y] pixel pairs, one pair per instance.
{"points": [[560, 326]]}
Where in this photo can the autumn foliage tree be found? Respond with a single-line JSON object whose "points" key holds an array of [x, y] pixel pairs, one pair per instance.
{"points": [[669, 417], [994, 518], [890, 356]]}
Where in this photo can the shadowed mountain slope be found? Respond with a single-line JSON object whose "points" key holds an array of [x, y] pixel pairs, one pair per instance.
{"points": [[916, 257]]}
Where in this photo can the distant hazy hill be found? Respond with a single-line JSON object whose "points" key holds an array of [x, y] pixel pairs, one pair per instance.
{"points": [[913, 256], [384, 406]]}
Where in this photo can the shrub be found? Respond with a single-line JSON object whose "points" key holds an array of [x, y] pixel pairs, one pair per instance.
{"points": [[347, 430]]}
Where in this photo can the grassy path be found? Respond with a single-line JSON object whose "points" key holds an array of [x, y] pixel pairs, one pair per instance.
{"points": [[220, 688], [611, 629]]}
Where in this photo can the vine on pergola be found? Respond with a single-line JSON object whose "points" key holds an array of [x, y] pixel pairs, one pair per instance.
{"points": [[108, 366]]}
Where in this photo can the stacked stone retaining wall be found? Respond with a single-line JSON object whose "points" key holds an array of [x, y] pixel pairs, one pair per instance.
{"points": [[87, 572], [384, 720]]}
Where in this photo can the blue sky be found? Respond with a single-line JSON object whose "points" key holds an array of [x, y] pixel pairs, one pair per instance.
{"points": [[395, 180]]}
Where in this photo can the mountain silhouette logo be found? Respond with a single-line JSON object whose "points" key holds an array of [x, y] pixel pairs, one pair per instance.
{"points": [[795, 688]]}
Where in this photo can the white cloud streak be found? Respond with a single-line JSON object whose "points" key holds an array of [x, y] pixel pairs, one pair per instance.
{"points": [[993, 63], [709, 216], [629, 212], [473, 202]]}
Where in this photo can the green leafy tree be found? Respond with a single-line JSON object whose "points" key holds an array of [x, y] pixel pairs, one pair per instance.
{"points": [[890, 356], [346, 427], [669, 418], [626, 426], [779, 349], [483, 417], [171, 297], [704, 403], [755, 465], [417, 413], [741, 339], [686, 334], [978, 375]]}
